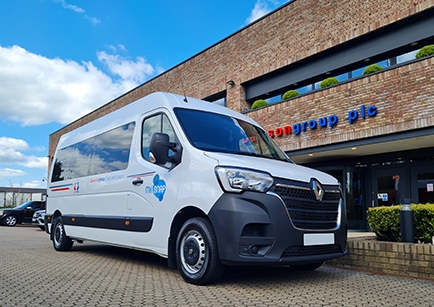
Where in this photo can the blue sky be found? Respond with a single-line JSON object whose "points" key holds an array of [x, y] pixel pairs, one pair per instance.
{"points": [[61, 59]]}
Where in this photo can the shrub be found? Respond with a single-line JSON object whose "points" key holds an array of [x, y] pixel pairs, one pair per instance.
{"points": [[385, 222], [329, 82], [259, 104], [423, 216], [290, 94], [425, 51], [371, 69]]}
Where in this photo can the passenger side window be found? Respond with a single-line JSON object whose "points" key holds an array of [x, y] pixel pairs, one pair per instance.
{"points": [[151, 125], [103, 153]]}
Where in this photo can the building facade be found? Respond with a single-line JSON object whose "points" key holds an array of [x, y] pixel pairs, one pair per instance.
{"points": [[15, 196], [374, 132]]}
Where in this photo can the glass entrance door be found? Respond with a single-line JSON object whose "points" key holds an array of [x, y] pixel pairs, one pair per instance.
{"points": [[355, 199], [422, 184], [388, 187], [353, 182]]}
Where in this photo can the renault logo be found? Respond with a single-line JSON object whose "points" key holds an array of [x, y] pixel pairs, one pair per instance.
{"points": [[317, 190]]}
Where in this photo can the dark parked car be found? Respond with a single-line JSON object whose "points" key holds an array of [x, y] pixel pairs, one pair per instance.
{"points": [[20, 214]]}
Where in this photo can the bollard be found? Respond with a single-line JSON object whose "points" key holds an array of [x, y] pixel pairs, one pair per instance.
{"points": [[407, 223]]}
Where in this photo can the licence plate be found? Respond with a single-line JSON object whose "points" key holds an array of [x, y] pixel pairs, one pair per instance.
{"points": [[318, 239]]}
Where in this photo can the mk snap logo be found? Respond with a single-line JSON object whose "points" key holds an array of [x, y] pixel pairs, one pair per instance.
{"points": [[76, 187], [158, 189]]}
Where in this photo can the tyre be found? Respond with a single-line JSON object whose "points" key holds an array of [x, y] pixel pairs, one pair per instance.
{"points": [[197, 252], [10, 220], [308, 266], [61, 242]]}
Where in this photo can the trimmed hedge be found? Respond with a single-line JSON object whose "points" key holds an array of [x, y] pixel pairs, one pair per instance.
{"points": [[259, 104], [329, 82], [385, 222], [425, 51], [290, 94], [371, 69]]}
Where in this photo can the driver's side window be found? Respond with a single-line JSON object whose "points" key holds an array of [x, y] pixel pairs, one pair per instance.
{"points": [[151, 125]]}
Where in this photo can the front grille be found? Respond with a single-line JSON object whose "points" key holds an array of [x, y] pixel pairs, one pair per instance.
{"points": [[303, 251], [305, 211]]}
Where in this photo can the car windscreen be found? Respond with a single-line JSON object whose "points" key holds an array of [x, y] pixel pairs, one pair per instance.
{"points": [[25, 205], [221, 133]]}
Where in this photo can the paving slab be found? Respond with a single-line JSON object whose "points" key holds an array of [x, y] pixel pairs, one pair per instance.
{"points": [[93, 274]]}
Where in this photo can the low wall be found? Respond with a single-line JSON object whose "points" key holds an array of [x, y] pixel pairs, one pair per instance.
{"points": [[405, 259]]}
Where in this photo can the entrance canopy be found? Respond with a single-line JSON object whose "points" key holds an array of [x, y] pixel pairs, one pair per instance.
{"points": [[411, 140]]}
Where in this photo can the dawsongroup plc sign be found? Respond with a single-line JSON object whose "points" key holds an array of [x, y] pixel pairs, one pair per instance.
{"points": [[323, 122]]}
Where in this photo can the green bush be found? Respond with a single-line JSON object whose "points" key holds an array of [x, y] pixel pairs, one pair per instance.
{"points": [[423, 216], [329, 82], [371, 69], [259, 104], [385, 222], [290, 94], [425, 51]]}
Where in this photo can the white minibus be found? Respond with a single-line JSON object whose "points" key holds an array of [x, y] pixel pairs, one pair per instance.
{"points": [[196, 183]]}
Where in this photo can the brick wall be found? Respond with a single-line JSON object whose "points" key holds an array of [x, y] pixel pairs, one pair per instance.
{"points": [[405, 259], [298, 30], [404, 98]]}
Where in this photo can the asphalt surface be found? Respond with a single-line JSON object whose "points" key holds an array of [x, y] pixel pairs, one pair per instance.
{"points": [[32, 273]]}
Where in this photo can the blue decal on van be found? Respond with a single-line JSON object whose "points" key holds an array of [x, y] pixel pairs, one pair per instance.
{"points": [[158, 189]]}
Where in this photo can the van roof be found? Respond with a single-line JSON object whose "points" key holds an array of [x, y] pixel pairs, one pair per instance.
{"points": [[148, 103]]}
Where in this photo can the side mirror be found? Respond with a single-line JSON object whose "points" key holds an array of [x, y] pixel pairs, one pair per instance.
{"points": [[159, 149]]}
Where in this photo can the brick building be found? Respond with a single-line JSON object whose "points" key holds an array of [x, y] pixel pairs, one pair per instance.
{"points": [[375, 132]]}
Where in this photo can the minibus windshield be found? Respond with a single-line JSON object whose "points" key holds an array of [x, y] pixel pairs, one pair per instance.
{"points": [[222, 133]]}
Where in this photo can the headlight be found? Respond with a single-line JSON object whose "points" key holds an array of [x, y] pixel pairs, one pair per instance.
{"points": [[238, 179], [2, 212]]}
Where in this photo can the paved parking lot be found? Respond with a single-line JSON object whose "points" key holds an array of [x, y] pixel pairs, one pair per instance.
{"points": [[34, 274]]}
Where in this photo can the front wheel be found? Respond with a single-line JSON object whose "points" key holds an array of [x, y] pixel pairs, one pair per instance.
{"points": [[197, 252], [61, 242], [10, 220], [307, 267]]}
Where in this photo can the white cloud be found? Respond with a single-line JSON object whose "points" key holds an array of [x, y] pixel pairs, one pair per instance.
{"points": [[13, 143], [127, 69], [37, 90], [36, 162], [93, 20], [70, 7], [8, 172], [34, 184], [262, 7], [78, 10], [9, 154]]}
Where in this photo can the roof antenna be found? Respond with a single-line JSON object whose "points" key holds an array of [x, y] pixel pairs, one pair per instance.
{"points": [[185, 97]]}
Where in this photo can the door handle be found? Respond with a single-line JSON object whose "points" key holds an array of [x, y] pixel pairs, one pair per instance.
{"points": [[137, 182]]}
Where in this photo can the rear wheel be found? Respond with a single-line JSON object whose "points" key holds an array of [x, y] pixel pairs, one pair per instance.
{"points": [[197, 252], [61, 242], [308, 266], [10, 220]]}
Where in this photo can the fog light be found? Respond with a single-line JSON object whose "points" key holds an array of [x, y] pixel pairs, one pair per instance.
{"points": [[253, 249]]}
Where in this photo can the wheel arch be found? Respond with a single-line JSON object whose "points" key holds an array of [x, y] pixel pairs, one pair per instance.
{"points": [[183, 215], [54, 216]]}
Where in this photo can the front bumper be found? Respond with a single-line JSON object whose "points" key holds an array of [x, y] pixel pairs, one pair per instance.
{"points": [[255, 228]]}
